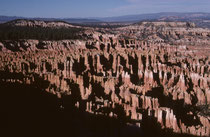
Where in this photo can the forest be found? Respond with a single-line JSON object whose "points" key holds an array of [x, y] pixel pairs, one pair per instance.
{"points": [[8, 32]]}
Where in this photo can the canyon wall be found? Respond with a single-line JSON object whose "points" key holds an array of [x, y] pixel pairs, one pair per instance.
{"points": [[147, 79]]}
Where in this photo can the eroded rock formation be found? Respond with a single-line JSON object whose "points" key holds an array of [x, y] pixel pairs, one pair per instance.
{"points": [[147, 79]]}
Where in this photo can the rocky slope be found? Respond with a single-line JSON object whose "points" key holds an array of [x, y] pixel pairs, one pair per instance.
{"points": [[173, 33], [147, 78], [40, 23]]}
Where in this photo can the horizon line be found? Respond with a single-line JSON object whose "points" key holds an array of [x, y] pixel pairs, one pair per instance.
{"points": [[19, 16]]}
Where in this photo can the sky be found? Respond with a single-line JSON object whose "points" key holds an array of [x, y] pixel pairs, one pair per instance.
{"points": [[97, 8]]}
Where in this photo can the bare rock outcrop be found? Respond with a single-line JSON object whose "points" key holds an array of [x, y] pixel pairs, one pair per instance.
{"points": [[168, 83]]}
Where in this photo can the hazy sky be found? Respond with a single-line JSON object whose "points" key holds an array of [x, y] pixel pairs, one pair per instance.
{"points": [[97, 8]]}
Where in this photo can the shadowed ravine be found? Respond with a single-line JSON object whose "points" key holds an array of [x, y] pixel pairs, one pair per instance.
{"points": [[29, 110]]}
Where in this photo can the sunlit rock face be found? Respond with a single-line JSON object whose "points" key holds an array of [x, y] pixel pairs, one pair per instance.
{"points": [[148, 77]]}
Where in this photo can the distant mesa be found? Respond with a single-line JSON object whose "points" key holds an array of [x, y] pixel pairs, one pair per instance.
{"points": [[199, 18]]}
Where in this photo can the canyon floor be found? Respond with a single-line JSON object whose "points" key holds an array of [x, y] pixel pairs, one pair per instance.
{"points": [[146, 79]]}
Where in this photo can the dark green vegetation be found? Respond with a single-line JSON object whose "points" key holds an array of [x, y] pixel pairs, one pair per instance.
{"points": [[8, 32], [204, 109]]}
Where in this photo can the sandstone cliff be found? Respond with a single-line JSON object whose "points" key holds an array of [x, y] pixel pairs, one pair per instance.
{"points": [[146, 77]]}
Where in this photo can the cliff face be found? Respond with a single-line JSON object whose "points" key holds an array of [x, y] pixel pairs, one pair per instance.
{"points": [[39, 23], [173, 33], [147, 79], [35, 45]]}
